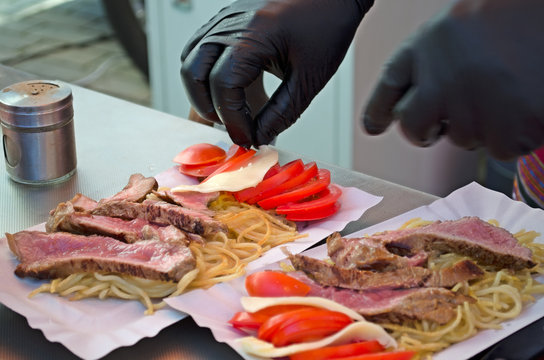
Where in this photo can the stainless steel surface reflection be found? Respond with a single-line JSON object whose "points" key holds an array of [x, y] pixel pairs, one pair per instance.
{"points": [[38, 131]]}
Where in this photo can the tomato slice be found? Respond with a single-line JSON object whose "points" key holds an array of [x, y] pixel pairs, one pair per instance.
{"points": [[272, 171], [316, 214], [250, 322], [394, 355], [302, 325], [285, 173], [201, 171], [233, 163], [235, 150], [306, 330], [309, 172], [333, 352], [314, 186], [274, 284], [200, 154], [322, 205], [245, 321]]}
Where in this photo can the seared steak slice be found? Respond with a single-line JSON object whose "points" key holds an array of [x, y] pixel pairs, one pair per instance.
{"points": [[368, 254], [189, 199], [66, 219], [60, 254], [162, 213], [328, 274], [393, 306], [464, 270], [136, 190], [470, 236], [83, 203]]}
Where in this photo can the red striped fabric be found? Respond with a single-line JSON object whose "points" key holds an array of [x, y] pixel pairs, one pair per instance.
{"points": [[529, 180]]}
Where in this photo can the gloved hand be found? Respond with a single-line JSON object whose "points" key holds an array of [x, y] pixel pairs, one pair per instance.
{"points": [[301, 41], [475, 72]]}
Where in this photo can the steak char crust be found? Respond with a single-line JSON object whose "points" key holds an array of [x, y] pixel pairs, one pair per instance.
{"points": [[392, 306], [162, 213]]}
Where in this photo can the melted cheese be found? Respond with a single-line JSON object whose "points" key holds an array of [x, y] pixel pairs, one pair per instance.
{"points": [[358, 331], [243, 178], [253, 304]]}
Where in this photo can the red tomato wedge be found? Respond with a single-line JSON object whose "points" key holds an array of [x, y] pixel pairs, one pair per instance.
{"points": [[333, 352], [247, 321], [272, 171], [321, 206], [233, 163], [316, 214], [234, 151], [274, 284], [198, 171], [325, 198], [303, 191], [309, 172], [302, 325], [395, 355], [285, 173], [202, 171], [200, 154]]}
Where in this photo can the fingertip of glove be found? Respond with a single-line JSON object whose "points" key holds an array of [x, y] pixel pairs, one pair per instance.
{"points": [[260, 139], [210, 116], [371, 126]]}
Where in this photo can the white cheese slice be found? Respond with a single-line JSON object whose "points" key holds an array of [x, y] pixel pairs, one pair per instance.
{"points": [[357, 331], [254, 303], [243, 178]]}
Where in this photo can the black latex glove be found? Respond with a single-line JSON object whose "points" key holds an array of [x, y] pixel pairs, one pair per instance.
{"points": [[301, 41], [475, 72]]}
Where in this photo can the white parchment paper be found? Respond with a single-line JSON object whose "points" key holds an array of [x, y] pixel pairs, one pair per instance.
{"points": [[92, 328], [212, 308]]}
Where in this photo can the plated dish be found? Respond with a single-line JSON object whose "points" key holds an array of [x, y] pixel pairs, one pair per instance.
{"points": [[53, 314], [472, 201]]}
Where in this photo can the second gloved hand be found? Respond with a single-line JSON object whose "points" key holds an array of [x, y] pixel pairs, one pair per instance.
{"points": [[302, 42], [475, 72]]}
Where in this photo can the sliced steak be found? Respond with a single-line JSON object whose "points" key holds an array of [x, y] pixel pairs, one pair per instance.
{"points": [[469, 236], [83, 203], [65, 218], [189, 199], [369, 254], [325, 273], [393, 306], [60, 254], [163, 213], [136, 190], [464, 270]]}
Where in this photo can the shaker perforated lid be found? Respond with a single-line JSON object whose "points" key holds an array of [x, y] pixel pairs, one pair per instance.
{"points": [[35, 103]]}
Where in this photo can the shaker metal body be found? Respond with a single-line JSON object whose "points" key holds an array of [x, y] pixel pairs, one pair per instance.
{"points": [[38, 131]]}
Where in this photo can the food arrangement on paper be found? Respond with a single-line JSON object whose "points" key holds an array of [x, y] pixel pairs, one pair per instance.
{"points": [[163, 235], [446, 280]]}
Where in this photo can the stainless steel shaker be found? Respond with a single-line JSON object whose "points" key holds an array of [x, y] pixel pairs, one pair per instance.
{"points": [[38, 131]]}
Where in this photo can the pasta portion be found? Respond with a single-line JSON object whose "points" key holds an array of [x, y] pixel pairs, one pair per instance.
{"points": [[500, 296], [252, 231], [84, 285]]}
